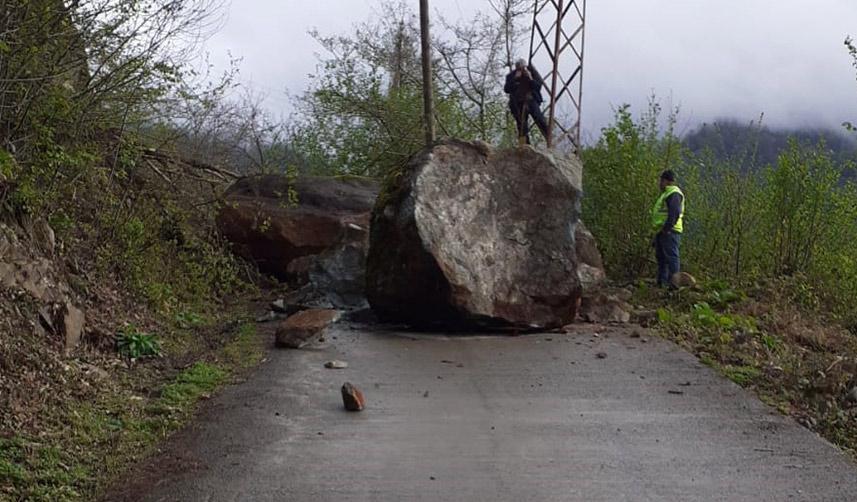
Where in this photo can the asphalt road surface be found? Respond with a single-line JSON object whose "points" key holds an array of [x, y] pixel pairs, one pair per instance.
{"points": [[579, 417]]}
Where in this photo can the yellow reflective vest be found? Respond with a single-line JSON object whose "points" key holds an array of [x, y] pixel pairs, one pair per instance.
{"points": [[660, 212]]}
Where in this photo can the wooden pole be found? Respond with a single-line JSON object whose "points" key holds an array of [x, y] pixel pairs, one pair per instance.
{"points": [[428, 99]]}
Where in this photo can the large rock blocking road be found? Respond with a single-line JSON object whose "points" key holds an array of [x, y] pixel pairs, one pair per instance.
{"points": [[472, 237]]}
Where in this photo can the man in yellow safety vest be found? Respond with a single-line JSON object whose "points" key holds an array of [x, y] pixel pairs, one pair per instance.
{"points": [[668, 225]]}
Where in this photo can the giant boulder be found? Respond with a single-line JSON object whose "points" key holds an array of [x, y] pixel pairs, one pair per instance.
{"points": [[307, 230], [471, 237]]}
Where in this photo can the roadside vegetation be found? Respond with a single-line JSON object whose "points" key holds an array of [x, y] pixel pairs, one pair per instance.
{"points": [[772, 245], [103, 119], [85, 444], [111, 133]]}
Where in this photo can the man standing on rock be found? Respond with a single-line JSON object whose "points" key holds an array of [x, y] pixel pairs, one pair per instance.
{"points": [[668, 225], [524, 87]]}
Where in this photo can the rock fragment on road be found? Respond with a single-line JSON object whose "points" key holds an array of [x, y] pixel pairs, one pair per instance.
{"points": [[301, 328], [352, 398], [336, 365]]}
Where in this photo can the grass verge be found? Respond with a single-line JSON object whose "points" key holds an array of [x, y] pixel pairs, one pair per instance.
{"points": [[91, 443], [772, 338]]}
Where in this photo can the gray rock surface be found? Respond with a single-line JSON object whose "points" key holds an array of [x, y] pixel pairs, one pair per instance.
{"points": [[472, 237]]}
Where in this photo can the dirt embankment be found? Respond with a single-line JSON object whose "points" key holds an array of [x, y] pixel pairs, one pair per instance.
{"points": [[92, 374]]}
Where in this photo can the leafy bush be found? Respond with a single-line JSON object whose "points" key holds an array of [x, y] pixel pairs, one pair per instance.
{"points": [[620, 180], [136, 344], [795, 218]]}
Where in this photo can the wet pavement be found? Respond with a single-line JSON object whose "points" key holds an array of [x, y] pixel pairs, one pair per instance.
{"points": [[555, 417]]}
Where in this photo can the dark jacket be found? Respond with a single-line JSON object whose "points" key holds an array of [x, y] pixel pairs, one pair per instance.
{"points": [[673, 202], [522, 88]]}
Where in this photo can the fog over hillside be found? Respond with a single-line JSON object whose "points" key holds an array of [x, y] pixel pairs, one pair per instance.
{"points": [[756, 146]]}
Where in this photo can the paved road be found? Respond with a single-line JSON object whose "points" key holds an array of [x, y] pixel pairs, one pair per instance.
{"points": [[529, 418]]}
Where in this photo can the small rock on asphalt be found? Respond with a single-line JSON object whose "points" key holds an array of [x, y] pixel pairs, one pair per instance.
{"points": [[601, 355], [301, 328], [352, 398], [336, 365]]}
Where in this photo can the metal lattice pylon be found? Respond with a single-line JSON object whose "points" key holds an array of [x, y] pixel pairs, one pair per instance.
{"points": [[557, 43]]}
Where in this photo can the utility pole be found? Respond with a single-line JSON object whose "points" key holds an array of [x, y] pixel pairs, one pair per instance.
{"points": [[428, 99]]}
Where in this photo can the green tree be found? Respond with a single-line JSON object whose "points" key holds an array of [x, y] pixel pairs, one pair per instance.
{"points": [[363, 112], [620, 180]]}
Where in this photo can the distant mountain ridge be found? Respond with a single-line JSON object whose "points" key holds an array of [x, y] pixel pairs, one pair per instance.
{"points": [[756, 146]]}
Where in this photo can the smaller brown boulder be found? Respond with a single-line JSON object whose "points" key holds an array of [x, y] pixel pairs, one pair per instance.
{"points": [[303, 327], [352, 398]]}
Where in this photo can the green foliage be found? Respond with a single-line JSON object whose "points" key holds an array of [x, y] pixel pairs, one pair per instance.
{"points": [[771, 342], [793, 218], [98, 439], [191, 384], [7, 165], [188, 320], [167, 260], [742, 375], [757, 146], [705, 316], [364, 112], [724, 297], [623, 168], [135, 344], [664, 316], [42, 473], [800, 197]]}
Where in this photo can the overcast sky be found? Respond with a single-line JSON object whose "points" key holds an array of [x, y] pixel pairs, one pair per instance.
{"points": [[714, 58]]}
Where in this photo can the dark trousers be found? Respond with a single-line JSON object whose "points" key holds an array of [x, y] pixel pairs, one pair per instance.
{"points": [[666, 250], [522, 116]]}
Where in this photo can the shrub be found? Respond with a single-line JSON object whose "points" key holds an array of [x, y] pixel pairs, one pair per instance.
{"points": [[135, 344], [796, 218]]}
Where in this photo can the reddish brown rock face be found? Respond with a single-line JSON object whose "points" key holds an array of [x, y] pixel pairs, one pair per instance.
{"points": [[320, 235], [303, 327], [352, 398], [472, 237]]}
